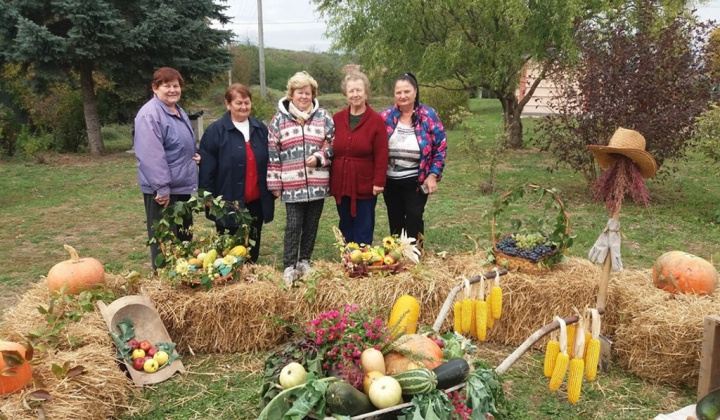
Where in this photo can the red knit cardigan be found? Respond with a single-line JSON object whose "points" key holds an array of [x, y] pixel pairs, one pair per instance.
{"points": [[361, 156]]}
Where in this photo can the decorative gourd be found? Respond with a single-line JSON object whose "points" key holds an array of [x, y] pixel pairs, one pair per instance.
{"points": [[372, 359], [451, 373], [680, 272], [77, 273], [342, 398], [15, 374], [404, 316], [369, 378], [417, 381], [293, 374], [419, 349], [385, 392]]}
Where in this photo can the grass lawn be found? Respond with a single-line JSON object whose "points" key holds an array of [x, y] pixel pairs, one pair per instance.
{"points": [[95, 205]]}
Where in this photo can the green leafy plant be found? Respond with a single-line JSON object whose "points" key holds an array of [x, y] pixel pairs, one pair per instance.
{"points": [[63, 310]]}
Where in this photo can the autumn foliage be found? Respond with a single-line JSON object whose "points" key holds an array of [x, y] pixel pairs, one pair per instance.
{"points": [[633, 73]]}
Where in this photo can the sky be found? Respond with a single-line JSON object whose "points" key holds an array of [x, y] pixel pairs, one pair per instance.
{"points": [[296, 25]]}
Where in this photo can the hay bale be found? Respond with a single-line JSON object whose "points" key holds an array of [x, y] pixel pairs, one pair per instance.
{"points": [[234, 317], [661, 336], [101, 392]]}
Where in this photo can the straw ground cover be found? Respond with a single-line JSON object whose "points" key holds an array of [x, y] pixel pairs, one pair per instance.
{"points": [[94, 205]]}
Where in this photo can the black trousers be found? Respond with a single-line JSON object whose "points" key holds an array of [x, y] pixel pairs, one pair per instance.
{"points": [[405, 206], [152, 213], [255, 209], [301, 229]]}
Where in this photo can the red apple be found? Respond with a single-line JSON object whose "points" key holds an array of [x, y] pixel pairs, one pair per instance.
{"points": [[139, 363], [151, 351], [145, 345], [439, 342], [133, 344]]}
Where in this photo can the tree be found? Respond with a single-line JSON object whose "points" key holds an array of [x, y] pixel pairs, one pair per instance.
{"points": [[481, 43], [123, 40], [633, 74]]}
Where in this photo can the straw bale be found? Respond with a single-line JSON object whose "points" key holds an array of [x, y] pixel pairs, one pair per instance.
{"points": [[101, 392], [233, 317], [661, 338]]}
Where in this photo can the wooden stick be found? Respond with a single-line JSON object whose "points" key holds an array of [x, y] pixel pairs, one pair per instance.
{"points": [[454, 291], [605, 275], [537, 335]]}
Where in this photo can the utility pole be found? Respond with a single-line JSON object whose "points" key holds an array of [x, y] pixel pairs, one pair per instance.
{"points": [[261, 48], [230, 69]]}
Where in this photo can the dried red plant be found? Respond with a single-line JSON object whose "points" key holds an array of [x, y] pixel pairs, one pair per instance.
{"points": [[621, 179]]}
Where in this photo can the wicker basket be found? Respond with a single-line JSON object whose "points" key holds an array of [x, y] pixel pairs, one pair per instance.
{"points": [[514, 263], [230, 277]]}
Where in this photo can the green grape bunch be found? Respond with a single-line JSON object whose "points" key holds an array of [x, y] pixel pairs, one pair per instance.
{"points": [[529, 240]]}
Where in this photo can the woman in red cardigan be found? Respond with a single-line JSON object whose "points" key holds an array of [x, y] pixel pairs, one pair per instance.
{"points": [[360, 163]]}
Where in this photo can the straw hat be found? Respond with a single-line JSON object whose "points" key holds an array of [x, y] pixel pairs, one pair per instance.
{"points": [[628, 143]]}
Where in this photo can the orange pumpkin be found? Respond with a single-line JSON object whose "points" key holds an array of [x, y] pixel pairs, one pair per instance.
{"points": [[15, 377], [77, 273], [421, 351], [680, 272]]}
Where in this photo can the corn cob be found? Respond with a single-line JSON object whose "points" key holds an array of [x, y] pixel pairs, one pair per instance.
{"points": [[577, 365], [551, 351], [592, 356], [466, 309], [575, 377], [571, 339], [481, 314], [490, 319], [496, 296], [561, 361], [473, 319], [457, 317]]}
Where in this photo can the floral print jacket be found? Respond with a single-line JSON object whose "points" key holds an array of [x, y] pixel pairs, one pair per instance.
{"points": [[430, 135]]}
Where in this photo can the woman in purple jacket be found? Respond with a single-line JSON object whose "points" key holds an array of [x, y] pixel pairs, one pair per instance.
{"points": [[167, 160]]}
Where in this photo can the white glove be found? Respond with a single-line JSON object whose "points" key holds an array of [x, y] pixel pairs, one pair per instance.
{"points": [[608, 241]]}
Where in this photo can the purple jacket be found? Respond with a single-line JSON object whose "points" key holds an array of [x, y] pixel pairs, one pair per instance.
{"points": [[164, 147]]}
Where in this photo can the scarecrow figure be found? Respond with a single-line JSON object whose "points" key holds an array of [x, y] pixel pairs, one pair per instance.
{"points": [[625, 163]]}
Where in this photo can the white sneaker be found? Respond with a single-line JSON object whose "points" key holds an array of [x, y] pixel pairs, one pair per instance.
{"points": [[302, 267], [290, 276]]}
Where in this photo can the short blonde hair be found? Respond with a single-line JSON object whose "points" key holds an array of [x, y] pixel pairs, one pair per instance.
{"points": [[355, 75], [298, 81]]}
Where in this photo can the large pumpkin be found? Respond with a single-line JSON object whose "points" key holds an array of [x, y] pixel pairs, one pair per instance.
{"points": [[15, 374], [680, 272], [421, 351], [77, 273]]}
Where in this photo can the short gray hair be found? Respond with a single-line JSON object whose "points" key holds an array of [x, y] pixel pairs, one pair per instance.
{"points": [[355, 75], [298, 81]]}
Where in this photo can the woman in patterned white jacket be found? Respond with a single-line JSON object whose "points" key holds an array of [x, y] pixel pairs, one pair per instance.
{"points": [[300, 138]]}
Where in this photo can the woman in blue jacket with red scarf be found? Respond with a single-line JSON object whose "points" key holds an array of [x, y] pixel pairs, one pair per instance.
{"points": [[234, 151], [416, 158]]}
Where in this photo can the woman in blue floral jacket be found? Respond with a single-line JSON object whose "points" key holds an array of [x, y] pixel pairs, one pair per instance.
{"points": [[416, 157]]}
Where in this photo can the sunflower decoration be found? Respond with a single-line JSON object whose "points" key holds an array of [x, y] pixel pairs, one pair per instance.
{"points": [[389, 243]]}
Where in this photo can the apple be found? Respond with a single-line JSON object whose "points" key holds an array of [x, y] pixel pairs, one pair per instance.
{"points": [[133, 344], [356, 256], [161, 357], [145, 345], [138, 363], [389, 259], [151, 351], [150, 365], [138, 354]]}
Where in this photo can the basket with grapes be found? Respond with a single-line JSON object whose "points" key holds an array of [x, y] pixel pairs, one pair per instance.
{"points": [[534, 244]]}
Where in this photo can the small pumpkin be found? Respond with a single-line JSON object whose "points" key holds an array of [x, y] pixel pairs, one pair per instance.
{"points": [[77, 273], [680, 272], [385, 392], [371, 359], [422, 351], [15, 372]]}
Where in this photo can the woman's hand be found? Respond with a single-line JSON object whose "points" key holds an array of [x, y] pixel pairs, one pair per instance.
{"points": [[312, 161], [196, 158], [431, 183], [377, 190], [276, 193], [163, 200]]}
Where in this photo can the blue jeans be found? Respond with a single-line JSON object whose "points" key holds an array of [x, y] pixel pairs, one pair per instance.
{"points": [[358, 229]]}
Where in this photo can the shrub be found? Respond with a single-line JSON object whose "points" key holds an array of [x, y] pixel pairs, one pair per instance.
{"points": [[447, 98], [9, 129], [263, 108], [706, 139], [34, 144]]}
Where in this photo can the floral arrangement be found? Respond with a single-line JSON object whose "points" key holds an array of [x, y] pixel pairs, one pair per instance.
{"points": [[210, 257], [361, 259], [342, 336]]}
